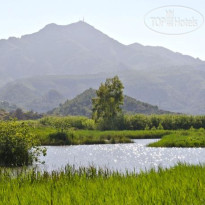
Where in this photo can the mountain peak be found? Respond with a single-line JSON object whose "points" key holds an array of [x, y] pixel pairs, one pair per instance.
{"points": [[53, 26]]}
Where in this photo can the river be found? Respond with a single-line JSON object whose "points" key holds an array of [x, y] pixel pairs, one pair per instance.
{"points": [[131, 157]]}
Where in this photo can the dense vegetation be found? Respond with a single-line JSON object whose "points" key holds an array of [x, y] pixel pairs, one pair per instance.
{"points": [[81, 130], [78, 122], [166, 122], [182, 184], [130, 122], [53, 136], [17, 145], [82, 105], [191, 138]]}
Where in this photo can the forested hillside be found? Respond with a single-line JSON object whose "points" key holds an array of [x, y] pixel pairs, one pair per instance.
{"points": [[82, 105]]}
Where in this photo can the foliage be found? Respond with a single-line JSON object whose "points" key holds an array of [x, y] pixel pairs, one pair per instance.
{"points": [[17, 145], [166, 122], [128, 122], [89, 124], [182, 184], [107, 104]]}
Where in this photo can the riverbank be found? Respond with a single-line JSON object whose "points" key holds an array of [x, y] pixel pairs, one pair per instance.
{"points": [[191, 138], [182, 184], [55, 131], [51, 136]]}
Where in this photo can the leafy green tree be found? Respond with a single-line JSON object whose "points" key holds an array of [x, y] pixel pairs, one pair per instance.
{"points": [[107, 104]]}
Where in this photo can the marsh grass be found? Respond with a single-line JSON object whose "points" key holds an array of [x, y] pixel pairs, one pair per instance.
{"points": [[182, 184], [191, 138], [77, 137]]}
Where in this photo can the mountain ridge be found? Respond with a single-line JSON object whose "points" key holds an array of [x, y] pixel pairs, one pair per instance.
{"points": [[85, 57], [69, 49]]}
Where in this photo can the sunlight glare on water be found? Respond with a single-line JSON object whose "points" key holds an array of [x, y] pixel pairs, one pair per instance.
{"points": [[121, 157]]}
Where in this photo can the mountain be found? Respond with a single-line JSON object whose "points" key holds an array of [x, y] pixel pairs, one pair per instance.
{"points": [[79, 48], [175, 89], [46, 102], [72, 58], [82, 105], [28, 98]]}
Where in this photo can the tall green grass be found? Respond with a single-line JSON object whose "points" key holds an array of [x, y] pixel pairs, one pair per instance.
{"points": [[182, 184], [191, 138], [77, 137]]}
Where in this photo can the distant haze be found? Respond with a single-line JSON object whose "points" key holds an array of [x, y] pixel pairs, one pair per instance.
{"points": [[122, 20], [59, 62]]}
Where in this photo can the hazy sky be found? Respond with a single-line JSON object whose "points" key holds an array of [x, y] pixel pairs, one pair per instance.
{"points": [[120, 19]]}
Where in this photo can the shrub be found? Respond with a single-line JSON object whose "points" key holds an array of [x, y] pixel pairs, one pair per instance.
{"points": [[89, 124], [18, 147], [160, 127], [64, 123]]}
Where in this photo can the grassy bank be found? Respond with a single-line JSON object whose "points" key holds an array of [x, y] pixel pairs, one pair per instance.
{"points": [[189, 138], [181, 184], [51, 131], [77, 137]]}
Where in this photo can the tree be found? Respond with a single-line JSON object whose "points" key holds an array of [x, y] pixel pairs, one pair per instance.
{"points": [[18, 147], [107, 104]]}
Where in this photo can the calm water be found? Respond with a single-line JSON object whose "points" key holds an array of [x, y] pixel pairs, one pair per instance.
{"points": [[120, 157]]}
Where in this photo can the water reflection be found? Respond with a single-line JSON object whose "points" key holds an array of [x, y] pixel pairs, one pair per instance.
{"points": [[120, 157]]}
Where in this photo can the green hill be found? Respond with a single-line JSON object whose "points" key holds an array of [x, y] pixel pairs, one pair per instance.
{"points": [[82, 105]]}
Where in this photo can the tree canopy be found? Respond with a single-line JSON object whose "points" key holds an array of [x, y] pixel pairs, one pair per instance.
{"points": [[107, 104]]}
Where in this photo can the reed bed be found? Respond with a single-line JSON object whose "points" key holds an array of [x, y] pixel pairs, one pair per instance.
{"points": [[182, 184]]}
